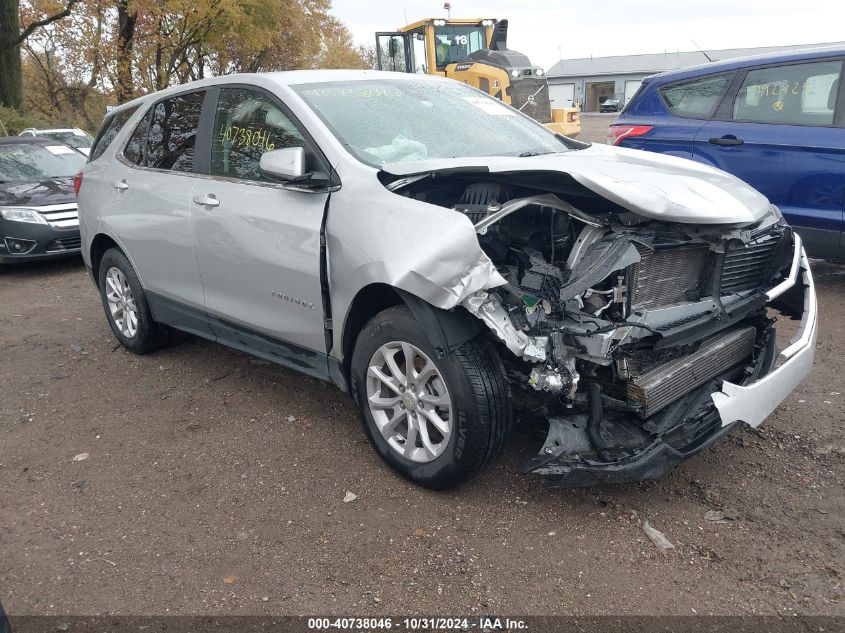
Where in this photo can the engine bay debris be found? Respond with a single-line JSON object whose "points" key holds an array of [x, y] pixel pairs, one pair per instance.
{"points": [[615, 328]]}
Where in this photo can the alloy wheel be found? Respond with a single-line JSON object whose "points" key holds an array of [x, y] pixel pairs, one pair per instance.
{"points": [[409, 401], [124, 311]]}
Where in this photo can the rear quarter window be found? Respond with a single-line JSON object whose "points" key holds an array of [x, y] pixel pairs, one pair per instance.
{"points": [[109, 130], [696, 98]]}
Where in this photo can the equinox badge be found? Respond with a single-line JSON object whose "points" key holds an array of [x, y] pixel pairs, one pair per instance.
{"points": [[299, 302]]}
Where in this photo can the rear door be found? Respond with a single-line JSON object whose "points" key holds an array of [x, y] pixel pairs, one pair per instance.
{"points": [[780, 131], [144, 194], [155, 190], [257, 243]]}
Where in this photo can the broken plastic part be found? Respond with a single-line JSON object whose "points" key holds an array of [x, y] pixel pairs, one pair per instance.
{"points": [[598, 262], [489, 309], [529, 300]]}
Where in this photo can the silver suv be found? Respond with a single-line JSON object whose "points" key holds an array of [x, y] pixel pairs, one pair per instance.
{"points": [[453, 265]]}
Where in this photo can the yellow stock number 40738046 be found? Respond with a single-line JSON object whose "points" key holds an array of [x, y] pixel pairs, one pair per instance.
{"points": [[243, 137]]}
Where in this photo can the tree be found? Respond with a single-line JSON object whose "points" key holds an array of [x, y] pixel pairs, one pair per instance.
{"points": [[115, 50], [368, 56], [338, 49], [67, 67], [11, 38], [126, 19]]}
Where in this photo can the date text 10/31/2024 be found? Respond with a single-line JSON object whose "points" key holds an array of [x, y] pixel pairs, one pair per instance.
{"points": [[488, 623]]}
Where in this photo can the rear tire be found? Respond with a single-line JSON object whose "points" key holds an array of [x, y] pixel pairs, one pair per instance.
{"points": [[468, 433], [125, 304]]}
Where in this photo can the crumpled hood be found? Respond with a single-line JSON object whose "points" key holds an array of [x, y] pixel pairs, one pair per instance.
{"points": [[652, 185]]}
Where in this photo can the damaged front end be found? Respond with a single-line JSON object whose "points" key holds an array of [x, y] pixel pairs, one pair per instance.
{"points": [[634, 342]]}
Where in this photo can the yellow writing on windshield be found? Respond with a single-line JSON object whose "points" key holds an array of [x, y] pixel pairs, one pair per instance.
{"points": [[244, 136], [352, 92]]}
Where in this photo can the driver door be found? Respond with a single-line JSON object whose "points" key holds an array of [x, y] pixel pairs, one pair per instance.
{"points": [[258, 243]]}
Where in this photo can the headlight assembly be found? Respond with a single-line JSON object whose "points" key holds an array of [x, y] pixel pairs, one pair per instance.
{"points": [[14, 214]]}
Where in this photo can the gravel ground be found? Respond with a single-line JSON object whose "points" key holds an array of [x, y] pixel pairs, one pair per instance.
{"points": [[214, 483], [594, 126]]}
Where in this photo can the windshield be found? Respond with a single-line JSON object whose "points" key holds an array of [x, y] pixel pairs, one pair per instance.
{"points": [[455, 43], [25, 162], [73, 139], [388, 121]]}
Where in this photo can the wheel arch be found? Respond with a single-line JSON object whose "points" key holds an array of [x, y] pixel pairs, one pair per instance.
{"points": [[99, 245], [446, 329]]}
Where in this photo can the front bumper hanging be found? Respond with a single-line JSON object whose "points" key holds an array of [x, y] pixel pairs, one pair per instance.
{"points": [[709, 412]]}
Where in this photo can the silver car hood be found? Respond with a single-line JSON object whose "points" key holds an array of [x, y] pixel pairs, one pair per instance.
{"points": [[652, 185]]}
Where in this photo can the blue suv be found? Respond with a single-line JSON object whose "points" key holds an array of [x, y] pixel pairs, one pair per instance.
{"points": [[776, 121]]}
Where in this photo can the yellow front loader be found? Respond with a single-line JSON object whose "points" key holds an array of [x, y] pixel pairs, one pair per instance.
{"points": [[475, 52]]}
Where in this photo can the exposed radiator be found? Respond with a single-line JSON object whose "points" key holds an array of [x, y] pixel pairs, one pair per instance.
{"points": [[746, 265], [668, 276], [664, 384], [674, 275]]}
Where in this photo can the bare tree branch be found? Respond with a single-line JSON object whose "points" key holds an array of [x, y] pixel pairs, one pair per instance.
{"points": [[29, 30]]}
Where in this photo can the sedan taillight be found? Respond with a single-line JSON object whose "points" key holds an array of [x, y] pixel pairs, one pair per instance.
{"points": [[617, 133], [77, 183]]}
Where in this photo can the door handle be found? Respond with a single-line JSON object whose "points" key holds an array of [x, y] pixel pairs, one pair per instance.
{"points": [[207, 201], [727, 140], [120, 185]]}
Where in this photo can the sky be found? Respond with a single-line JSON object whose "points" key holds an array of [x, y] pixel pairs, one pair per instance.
{"points": [[548, 30]]}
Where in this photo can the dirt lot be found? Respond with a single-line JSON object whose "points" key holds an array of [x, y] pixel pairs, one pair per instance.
{"points": [[594, 127], [214, 484]]}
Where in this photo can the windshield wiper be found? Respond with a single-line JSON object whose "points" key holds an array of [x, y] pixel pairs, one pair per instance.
{"points": [[572, 143], [530, 153]]}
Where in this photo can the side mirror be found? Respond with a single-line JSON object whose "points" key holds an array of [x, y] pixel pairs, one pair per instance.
{"points": [[285, 164]]}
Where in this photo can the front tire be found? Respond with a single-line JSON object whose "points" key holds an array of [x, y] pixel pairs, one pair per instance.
{"points": [[125, 304], [437, 421]]}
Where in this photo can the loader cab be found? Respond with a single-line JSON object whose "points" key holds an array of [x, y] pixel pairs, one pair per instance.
{"points": [[429, 46], [475, 52]]}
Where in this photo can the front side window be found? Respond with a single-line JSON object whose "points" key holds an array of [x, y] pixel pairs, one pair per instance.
{"points": [[389, 121], [109, 130], [797, 94], [247, 124], [696, 99], [173, 132], [455, 43]]}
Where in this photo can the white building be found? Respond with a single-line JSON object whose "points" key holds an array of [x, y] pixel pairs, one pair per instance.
{"points": [[592, 80]]}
